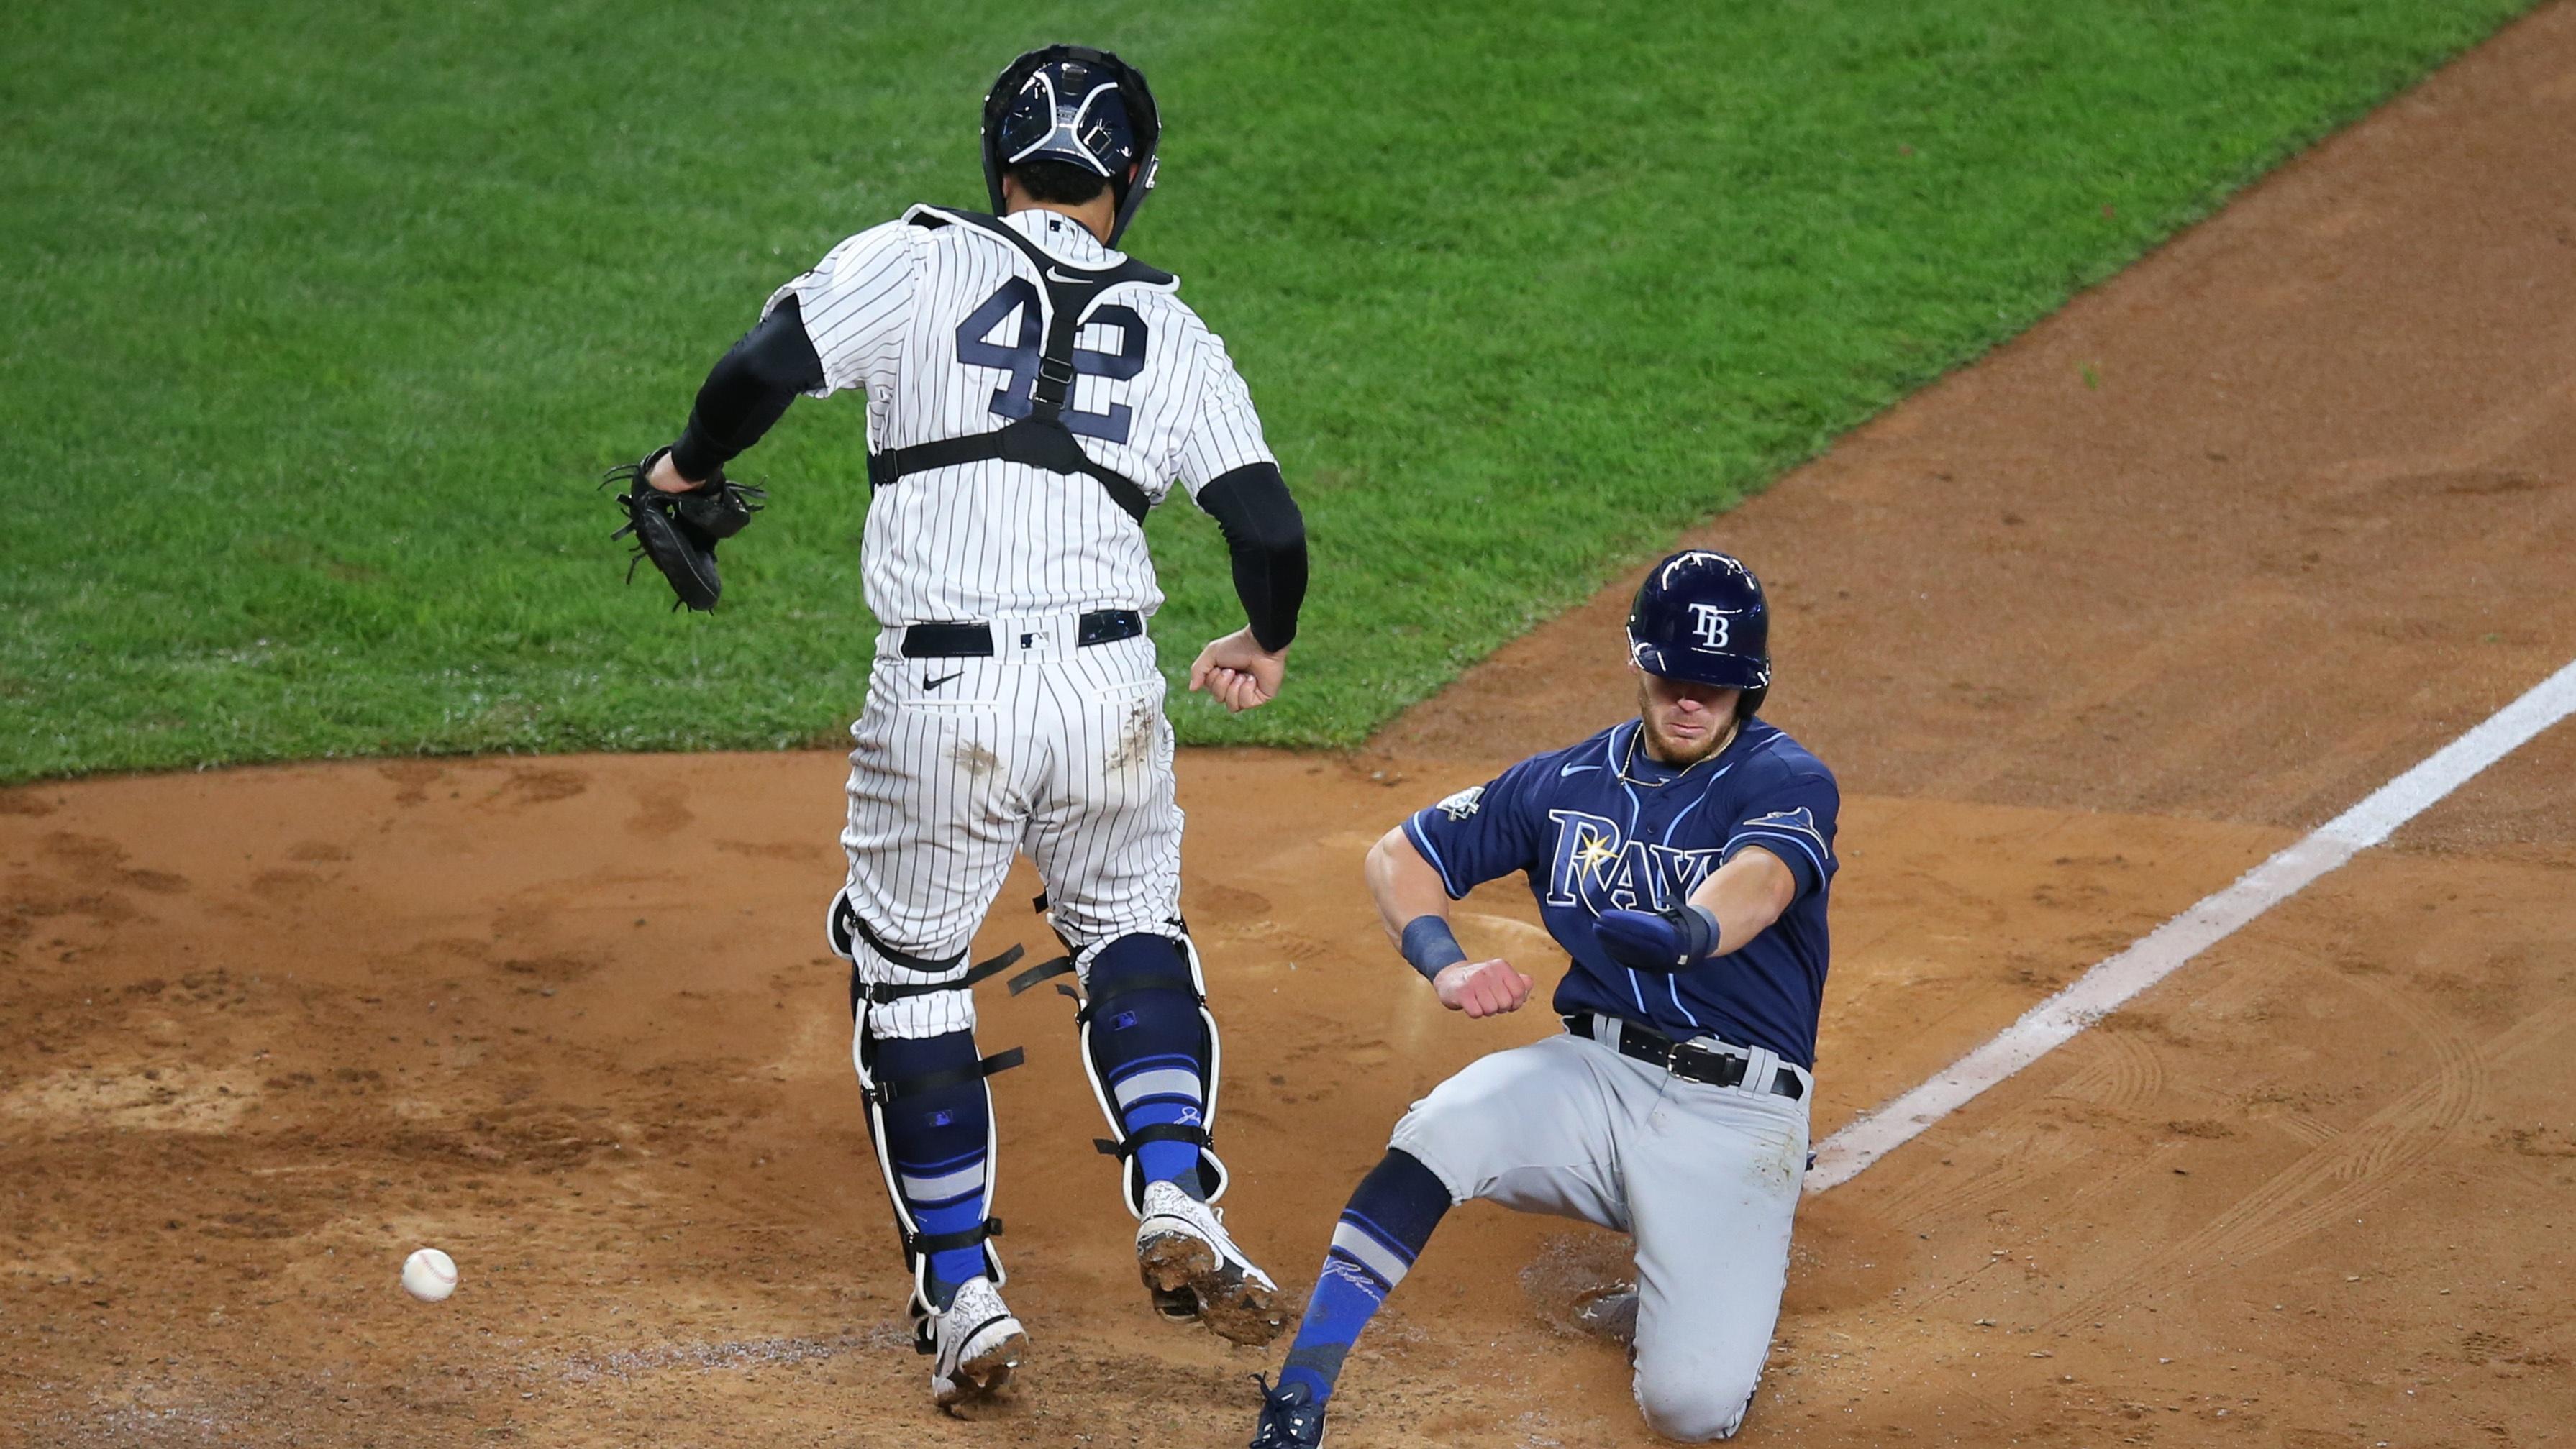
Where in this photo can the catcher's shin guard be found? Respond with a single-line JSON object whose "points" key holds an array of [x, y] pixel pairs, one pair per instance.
{"points": [[1150, 1048], [930, 1118], [930, 1113]]}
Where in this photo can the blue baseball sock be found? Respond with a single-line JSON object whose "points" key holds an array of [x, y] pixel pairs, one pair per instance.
{"points": [[938, 1141], [1150, 1047], [1390, 1217]]}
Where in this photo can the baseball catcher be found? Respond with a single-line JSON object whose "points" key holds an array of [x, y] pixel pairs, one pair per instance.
{"points": [[1030, 393]]}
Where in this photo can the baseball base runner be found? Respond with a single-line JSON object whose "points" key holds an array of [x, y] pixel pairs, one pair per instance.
{"points": [[1031, 393], [1682, 860]]}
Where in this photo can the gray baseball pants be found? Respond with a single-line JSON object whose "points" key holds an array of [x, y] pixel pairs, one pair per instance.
{"points": [[1705, 1178]]}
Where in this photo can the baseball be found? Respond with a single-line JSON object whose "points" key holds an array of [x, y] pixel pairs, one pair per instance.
{"points": [[429, 1275]]}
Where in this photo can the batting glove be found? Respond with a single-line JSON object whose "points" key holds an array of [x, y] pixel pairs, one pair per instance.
{"points": [[1675, 938]]}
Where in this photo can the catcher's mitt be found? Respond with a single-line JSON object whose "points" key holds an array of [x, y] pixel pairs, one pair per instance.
{"points": [[679, 531]]}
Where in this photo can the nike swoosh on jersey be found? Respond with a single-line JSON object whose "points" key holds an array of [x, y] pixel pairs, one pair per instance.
{"points": [[1565, 770], [943, 679]]}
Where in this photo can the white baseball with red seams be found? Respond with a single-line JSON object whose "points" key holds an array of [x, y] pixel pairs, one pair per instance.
{"points": [[429, 1275]]}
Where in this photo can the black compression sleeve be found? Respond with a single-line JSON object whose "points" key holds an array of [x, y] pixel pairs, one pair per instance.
{"points": [[1267, 537], [748, 390]]}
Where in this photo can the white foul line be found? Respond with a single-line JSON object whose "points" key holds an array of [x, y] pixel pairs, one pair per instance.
{"points": [[2158, 954]]}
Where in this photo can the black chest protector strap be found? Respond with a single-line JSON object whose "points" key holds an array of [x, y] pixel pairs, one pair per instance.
{"points": [[1040, 440]]}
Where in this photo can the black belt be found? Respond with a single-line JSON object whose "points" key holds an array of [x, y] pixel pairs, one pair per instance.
{"points": [[975, 641], [1686, 1061]]}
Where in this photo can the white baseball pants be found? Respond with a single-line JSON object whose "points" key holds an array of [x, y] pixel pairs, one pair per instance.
{"points": [[960, 763]]}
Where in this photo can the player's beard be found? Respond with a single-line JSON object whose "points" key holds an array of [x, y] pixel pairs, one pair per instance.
{"points": [[1679, 753]]}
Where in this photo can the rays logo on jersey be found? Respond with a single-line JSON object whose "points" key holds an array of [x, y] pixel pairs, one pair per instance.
{"points": [[1801, 819], [1599, 869], [1794, 828]]}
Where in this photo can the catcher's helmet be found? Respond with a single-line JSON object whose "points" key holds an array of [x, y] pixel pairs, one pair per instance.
{"points": [[1077, 105], [1699, 616]]}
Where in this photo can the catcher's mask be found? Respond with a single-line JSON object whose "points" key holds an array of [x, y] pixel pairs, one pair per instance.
{"points": [[1700, 616], [1081, 106]]}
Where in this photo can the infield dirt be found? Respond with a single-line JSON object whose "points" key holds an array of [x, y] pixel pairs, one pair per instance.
{"points": [[2087, 630]]}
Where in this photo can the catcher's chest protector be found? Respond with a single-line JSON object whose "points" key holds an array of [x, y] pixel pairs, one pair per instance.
{"points": [[1041, 439]]}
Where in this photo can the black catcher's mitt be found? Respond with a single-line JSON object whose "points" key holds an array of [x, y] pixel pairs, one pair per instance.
{"points": [[679, 531]]}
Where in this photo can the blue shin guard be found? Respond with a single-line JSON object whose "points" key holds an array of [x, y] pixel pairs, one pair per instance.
{"points": [[1151, 1048], [934, 1118]]}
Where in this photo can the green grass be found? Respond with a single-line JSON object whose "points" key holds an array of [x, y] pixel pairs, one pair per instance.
{"points": [[321, 317]]}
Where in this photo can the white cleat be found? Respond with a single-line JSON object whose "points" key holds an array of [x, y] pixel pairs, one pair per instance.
{"points": [[978, 1343], [1188, 1262]]}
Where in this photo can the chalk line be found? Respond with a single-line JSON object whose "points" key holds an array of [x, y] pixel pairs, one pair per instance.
{"points": [[2158, 954]]}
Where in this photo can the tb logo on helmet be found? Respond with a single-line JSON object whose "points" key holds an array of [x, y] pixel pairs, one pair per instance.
{"points": [[1710, 624]]}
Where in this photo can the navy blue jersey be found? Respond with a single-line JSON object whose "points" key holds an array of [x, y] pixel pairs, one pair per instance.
{"points": [[1602, 826]]}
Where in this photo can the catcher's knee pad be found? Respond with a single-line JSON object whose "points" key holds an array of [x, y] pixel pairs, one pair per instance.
{"points": [[1149, 1040]]}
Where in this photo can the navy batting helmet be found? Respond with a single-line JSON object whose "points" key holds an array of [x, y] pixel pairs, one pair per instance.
{"points": [[1699, 616], [1080, 106]]}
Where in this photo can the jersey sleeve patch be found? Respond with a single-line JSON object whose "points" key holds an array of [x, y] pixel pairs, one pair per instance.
{"points": [[1793, 836], [1801, 819], [1462, 804]]}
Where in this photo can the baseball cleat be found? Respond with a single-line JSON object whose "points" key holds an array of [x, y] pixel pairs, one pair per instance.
{"points": [[1290, 1418], [978, 1343], [1612, 1314], [1182, 1248]]}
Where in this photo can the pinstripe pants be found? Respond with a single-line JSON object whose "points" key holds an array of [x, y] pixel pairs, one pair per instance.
{"points": [[960, 764]]}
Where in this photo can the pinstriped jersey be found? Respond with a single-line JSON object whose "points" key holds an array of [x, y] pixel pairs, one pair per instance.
{"points": [[942, 327], [1602, 826]]}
